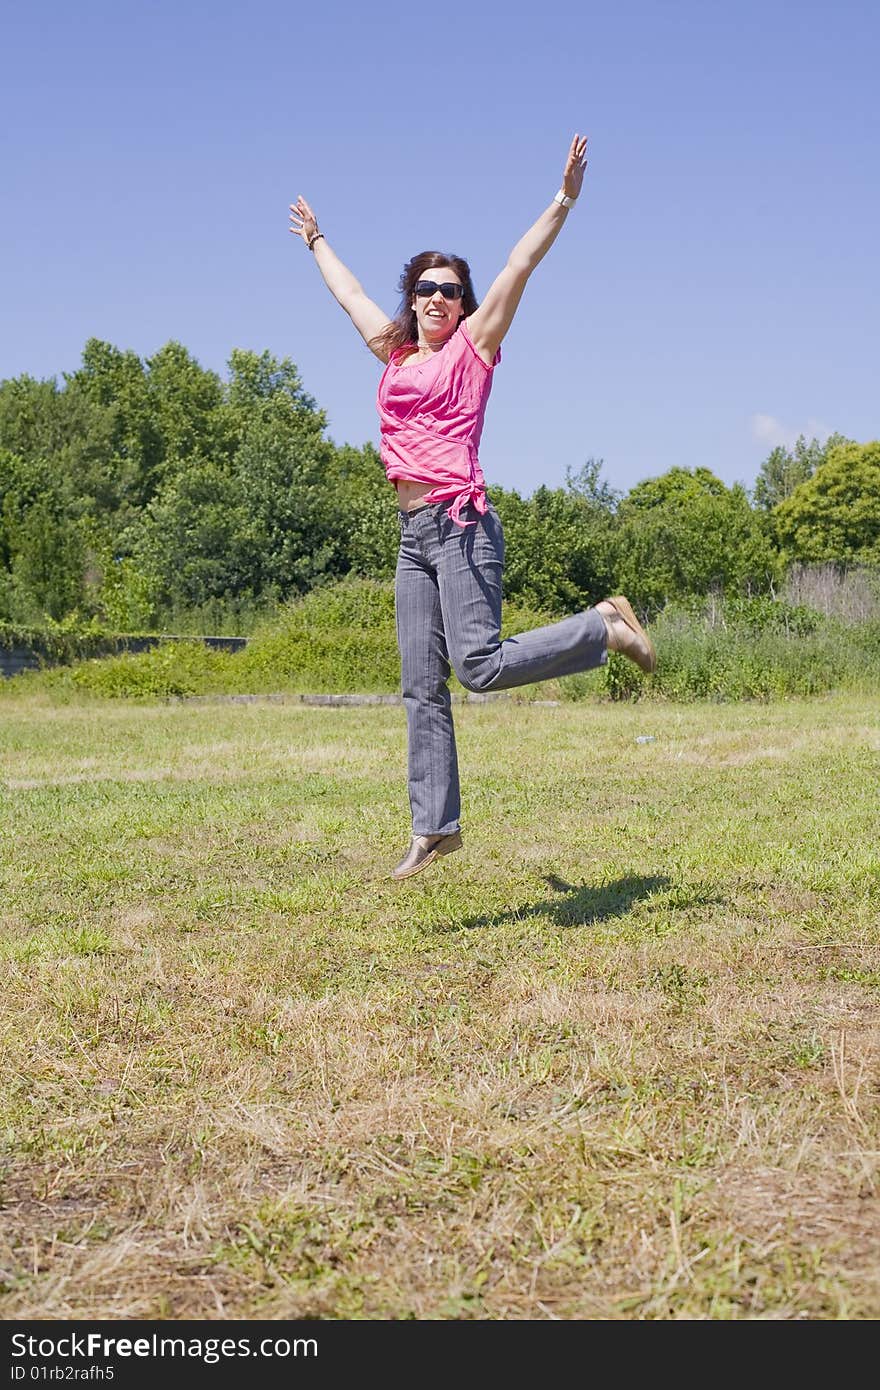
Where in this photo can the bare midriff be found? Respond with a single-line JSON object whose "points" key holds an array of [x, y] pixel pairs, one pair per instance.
{"points": [[409, 495]]}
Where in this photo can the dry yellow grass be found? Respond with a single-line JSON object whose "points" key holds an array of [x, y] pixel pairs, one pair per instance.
{"points": [[619, 1059]]}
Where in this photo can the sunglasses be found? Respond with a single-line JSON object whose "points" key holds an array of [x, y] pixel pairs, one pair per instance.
{"points": [[425, 288]]}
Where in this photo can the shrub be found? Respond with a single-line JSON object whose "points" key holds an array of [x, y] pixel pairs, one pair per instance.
{"points": [[341, 638], [171, 668]]}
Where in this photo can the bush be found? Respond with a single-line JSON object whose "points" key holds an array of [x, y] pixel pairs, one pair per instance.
{"points": [[341, 639], [169, 669], [758, 649]]}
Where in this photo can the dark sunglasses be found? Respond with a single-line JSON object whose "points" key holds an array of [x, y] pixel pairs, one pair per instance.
{"points": [[425, 288]]}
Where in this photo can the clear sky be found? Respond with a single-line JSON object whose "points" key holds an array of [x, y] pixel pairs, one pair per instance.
{"points": [[714, 292]]}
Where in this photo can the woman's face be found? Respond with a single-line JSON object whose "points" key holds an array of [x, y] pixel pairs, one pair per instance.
{"points": [[436, 316]]}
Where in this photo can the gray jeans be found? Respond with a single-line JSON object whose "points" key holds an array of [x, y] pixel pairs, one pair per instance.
{"points": [[448, 601]]}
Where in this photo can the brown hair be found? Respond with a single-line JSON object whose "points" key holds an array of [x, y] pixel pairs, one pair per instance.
{"points": [[403, 328]]}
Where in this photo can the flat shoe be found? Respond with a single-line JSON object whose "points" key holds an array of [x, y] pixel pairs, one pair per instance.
{"points": [[420, 855], [643, 654]]}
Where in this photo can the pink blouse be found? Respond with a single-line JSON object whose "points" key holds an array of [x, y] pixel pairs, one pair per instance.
{"points": [[431, 415]]}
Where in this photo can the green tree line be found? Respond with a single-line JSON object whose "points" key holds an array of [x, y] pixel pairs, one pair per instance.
{"points": [[138, 491]]}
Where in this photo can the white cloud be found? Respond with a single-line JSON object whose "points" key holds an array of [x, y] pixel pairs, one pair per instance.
{"points": [[773, 432]]}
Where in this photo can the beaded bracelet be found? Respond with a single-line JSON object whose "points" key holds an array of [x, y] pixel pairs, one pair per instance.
{"points": [[310, 243]]}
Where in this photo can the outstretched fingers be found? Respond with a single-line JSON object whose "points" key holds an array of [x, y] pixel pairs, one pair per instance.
{"points": [[302, 219], [575, 165], [577, 155]]}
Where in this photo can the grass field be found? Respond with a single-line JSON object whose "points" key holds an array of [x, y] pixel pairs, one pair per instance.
{"points": [[620, 1059]]}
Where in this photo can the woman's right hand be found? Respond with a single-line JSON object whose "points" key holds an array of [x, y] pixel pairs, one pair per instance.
{"points": [[303, 222], [366, 316]]}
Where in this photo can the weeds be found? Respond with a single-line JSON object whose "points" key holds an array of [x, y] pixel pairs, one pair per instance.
{"points": [[341, 639]]}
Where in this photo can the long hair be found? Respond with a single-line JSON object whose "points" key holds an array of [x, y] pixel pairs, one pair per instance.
{"points": [[403, 328]]}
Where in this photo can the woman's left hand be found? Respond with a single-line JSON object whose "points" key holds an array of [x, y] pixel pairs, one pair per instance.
{"points": [[575, 166]]}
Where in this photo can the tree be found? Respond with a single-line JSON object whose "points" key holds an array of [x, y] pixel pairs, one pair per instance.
{"points": [[679, 487], [120, 472], [186, 410], [784, 470], [157, 415], [43, 551], [686, 533], [587, 482], [835, 514], [258, 514], [558, 548], [195, 542], [363, 511]]}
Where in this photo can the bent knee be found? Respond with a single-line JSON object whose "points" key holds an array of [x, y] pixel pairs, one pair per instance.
{"points": [[478, 678]]}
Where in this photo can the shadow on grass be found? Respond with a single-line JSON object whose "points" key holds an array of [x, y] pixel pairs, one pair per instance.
{"points": [[583, 904]]}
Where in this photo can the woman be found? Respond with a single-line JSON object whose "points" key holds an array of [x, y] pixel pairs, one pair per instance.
{"points": [[440, 353]]}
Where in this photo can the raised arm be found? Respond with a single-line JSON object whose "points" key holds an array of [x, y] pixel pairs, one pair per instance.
{"points": [[490, 322], [367, 317]]}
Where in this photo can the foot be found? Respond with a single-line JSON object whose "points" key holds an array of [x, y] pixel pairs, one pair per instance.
{"points": [[423, 851], [625, 633]]}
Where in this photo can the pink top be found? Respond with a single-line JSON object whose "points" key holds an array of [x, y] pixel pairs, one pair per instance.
{"points": [[431, 416]]}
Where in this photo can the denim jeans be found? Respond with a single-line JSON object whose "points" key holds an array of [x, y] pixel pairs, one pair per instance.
{"points": [[448, 604]]}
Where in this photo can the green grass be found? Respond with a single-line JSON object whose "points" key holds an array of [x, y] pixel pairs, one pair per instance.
{"points": [[617, 1059]]}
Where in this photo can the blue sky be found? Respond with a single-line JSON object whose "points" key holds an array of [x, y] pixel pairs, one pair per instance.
{"points": [[714, 293]]}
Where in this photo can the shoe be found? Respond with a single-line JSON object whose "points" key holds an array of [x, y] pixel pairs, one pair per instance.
{"points": [[626, 634], [423, 851]]}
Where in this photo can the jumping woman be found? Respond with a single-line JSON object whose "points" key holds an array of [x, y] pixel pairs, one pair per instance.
{"points": [[440, 353]]}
